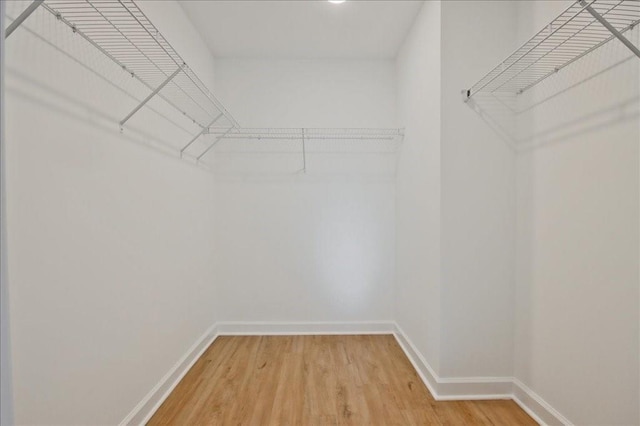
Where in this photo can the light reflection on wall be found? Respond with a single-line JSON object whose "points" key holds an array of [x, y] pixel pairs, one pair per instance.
{"points": [[348, 252]]}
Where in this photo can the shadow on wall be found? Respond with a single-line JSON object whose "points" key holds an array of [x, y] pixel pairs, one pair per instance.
{"points": [[562, 107], [577, 249], [370, 159], [104, 92]]}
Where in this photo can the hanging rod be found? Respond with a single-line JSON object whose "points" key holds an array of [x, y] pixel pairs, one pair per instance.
{"points": [[579, 30], [304, 135], [364, 134]]}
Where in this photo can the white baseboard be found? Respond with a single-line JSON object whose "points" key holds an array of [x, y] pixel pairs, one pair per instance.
{"points": [[442, 388], [452, 389], [479, 388], [536, 407], [266, 328], [142, 412]]}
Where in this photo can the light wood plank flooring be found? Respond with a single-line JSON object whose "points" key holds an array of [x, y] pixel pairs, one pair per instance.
{"points": [[316, 380]]}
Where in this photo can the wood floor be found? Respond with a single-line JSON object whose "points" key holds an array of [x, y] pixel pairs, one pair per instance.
{"points": [[316, 380]]}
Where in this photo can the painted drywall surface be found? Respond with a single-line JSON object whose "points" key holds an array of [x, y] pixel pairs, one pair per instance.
{"points": [[6, 400], [478, 199], [318, 246], [576, 341], [308, 93], [418, 286], [110, 242], [306, 250]]}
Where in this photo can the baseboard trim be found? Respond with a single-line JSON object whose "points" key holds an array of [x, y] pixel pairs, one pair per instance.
{"points": [[536, 407], [479, 388], [142, 412], [453, 389], [267, 328], [441, 388], [422, 367]]}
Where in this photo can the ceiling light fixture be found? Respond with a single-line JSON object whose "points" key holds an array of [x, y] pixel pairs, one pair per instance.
{"points": [[337, 1]]}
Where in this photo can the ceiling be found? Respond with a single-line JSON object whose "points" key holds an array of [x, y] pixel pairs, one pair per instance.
{"points": [[300, 29]]}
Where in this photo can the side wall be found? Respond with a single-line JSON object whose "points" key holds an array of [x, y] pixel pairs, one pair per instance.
{"points": [[418, 283], [478, 199], [110, 249], [6, 399], [296, 247], [577, 322]]}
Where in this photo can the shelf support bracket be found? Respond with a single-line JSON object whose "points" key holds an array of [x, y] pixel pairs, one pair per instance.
{"points": [[151, 95], [304, 153], [611, 28], [202, 132], [215, 142], [20, 19]]}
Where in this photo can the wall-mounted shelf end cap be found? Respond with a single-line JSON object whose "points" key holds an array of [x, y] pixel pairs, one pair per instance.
{"points": [[466, 94]]}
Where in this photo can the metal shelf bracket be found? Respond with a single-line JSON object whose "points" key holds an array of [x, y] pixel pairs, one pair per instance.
{"points": [[20, 19], [304, 153], [611, 28], [204, 130], [151, 95], [215, 142]]}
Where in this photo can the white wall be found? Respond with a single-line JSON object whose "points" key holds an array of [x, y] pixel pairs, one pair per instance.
{"points": [[418, 283], [6, 399], [308, 93], [305, 250], [577, 322], [478, 199], [110, 242], [455, 195], [314, 247]]}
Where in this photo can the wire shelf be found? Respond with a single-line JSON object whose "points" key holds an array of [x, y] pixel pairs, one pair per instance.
{"points": [[115, 41], [321, 151], [120, 30], [363, 134], [569, 37]]}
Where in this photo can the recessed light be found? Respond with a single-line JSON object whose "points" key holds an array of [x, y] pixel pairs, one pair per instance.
{"points": [[337, 1]]}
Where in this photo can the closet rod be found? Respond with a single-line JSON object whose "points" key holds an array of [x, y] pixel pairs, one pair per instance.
{"points": [[214, 143], [309, 137]]}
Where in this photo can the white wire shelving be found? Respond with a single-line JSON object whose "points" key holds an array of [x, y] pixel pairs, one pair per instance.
{"points": [[365, 134], [579, 30], [307, 141], [591, 50], [123, 33]]}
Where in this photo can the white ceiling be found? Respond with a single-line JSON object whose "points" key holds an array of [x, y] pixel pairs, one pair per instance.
{"points": [[303, 29]]}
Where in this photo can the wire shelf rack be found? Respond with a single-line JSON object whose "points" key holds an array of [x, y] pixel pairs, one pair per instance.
{"points": [[120, 30], [579, 30], [143, 65], [364, 134], [310, 141], [123, 34]]}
